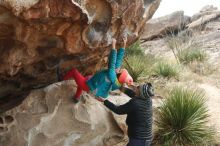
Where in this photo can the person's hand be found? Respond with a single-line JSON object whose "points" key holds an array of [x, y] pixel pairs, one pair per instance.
{"points": [[100, 99], [122, 88], [124, 42], [117, 70], [113, 43]]}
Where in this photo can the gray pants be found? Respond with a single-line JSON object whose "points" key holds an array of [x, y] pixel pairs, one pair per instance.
{"points": [[139, 142]]}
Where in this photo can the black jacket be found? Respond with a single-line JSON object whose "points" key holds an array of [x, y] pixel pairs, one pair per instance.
{"points": [[139, 115]]}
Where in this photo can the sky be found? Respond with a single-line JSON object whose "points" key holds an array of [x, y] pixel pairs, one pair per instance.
{"points": [[189, 7]]}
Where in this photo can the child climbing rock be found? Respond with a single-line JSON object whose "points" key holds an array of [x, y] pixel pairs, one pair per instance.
{"points": [[105, 80]]}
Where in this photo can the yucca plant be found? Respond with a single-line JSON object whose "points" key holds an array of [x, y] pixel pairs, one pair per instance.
{"points": [[135, 65], [176, 41], [182, 119], [185, 48], [190, 54], [135, 49], [136, 62], [166, 70]]}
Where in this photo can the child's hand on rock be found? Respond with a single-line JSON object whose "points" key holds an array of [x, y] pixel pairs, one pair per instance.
{"points": [[113, 43], [124, 41], [100, 99]]}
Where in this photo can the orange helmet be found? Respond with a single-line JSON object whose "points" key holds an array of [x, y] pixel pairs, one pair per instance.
{"points": [[125, 77]]}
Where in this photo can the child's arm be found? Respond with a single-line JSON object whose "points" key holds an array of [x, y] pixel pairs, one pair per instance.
{"points": [[120, 54], [112, 62]]}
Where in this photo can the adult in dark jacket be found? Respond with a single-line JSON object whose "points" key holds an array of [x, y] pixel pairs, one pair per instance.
{"points": [[139, 113]]}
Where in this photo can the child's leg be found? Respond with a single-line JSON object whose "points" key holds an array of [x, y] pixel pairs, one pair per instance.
{"points": [[69, 74], [78, 93], [79, 90], [80, 81]]}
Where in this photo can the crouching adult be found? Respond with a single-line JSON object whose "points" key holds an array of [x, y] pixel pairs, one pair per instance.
{"points": [[139, 113]]}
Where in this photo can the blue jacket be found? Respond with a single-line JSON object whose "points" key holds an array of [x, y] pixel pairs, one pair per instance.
{"points": [[106, 80]]}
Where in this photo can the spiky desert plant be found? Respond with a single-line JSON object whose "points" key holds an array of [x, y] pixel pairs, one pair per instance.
{"points": [[135, 66], [185, 48], [190, 54], [167, 70], [136, 62], [135, 49], [182, 119]]}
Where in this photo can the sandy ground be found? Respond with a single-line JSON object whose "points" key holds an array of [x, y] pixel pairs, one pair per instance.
{"points": [[213, 102]]}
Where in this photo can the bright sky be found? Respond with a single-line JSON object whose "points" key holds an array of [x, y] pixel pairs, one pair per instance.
{"points": [[189, 7]]}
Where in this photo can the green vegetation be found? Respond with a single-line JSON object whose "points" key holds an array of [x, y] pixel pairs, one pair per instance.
{"points": [[166, 70], [136, 62], [185, 49], [135, 66], [135, 50], [189, 55], [182, 118]]}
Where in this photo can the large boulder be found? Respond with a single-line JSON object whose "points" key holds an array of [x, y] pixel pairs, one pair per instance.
{"points": [[206, 10], [48, 117], [164, 25], [206, 15], [37, 36]]}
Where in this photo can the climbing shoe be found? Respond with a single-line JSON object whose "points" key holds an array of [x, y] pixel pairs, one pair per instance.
{"points": [[75, 100]]}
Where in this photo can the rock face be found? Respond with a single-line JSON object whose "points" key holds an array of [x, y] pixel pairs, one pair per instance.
{"points": [[206, 10], [36, 36], [162, 26], [204, 19], [206, 14], [48, 117]]}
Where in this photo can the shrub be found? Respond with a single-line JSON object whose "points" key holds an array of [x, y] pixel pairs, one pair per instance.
{"points": [[134, 49], [166, 70], [182, 118], [136, 62], [189, 55], [184, 48], [175, 42], [135, 66]]}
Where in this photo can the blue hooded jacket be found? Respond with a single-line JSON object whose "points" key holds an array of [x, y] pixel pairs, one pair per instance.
{"points": [[106, 80]]}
